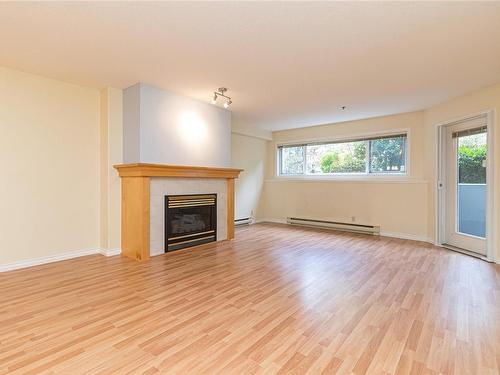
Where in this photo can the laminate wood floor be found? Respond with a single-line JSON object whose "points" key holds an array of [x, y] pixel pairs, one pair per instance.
{"points": [[276, 300]]}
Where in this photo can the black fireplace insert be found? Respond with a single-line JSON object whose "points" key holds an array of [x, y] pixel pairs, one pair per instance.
{"points": [[190, 220]]}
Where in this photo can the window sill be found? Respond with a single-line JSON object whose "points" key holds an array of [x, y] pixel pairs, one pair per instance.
{"points": [[380, 179]]}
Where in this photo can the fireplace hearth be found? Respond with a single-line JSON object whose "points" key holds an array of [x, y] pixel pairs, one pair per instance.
{"points": [[190, 220]]}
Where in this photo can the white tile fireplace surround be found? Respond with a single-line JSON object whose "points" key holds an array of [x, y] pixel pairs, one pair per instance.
{"points": [[161, 186]]}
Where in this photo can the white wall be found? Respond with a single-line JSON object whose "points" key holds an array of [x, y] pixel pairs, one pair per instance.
{"points": [[49, 148], [249, 154], [174, 129]]}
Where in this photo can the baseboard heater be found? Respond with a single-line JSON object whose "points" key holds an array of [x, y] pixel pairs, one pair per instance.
{"points": [[348, 227], [244, 221]]}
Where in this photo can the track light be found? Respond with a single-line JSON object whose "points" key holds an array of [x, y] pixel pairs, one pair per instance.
{"points": [[221, 92]]}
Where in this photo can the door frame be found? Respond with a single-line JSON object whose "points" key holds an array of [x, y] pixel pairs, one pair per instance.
{"points": [[440, 230]]}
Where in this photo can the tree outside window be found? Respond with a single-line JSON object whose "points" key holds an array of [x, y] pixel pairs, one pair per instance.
{"points": [[472, 151]]}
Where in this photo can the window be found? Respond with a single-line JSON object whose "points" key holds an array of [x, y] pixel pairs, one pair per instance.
{"points": [[292, 160], [374, 155], [388, 155]]}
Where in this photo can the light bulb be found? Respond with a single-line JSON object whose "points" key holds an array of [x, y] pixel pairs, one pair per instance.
{"points": [[227, 104]]}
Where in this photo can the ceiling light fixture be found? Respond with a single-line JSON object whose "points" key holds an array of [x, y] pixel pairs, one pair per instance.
{"points": [[222, 93]]}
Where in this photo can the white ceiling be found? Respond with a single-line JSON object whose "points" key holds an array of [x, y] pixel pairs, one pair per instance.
{"points": [[287, 64]]}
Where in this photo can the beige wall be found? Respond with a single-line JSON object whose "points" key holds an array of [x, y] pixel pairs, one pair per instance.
{"points": [[60, 195], [111, 153], [399, 208], [59, 192], [482, 100], [49, 148], [397, 204], [412, 122], [249, 154], [402, 207]]}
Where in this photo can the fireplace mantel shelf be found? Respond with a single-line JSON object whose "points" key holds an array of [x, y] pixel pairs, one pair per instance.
{"points": [[164, 170], [135, 181]]}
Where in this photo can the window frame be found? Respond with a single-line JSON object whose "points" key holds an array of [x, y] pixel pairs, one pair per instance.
{"points": [[348, 175]]}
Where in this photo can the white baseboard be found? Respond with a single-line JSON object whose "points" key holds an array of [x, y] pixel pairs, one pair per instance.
{"points": [[56, 258], [403, 236], [110, 252], [406, 236], [269, 220], [48, 259], [154, 253]]}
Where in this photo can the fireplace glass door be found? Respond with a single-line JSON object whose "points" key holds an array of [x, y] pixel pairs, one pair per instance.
{"points": [[190, 220]]}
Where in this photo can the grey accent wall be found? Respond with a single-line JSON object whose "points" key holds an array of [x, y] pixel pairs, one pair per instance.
{"points": [[131, 124], [166, 128]]}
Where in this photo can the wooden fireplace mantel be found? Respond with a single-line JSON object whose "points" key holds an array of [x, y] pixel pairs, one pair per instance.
{"points": [[164, 170], [135, 181]]}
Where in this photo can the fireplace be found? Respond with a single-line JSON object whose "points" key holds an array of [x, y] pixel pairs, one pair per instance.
{"points": [[190, 220]]}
